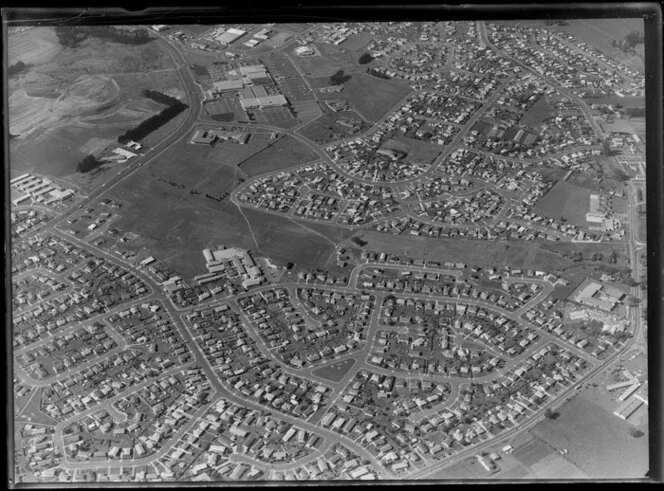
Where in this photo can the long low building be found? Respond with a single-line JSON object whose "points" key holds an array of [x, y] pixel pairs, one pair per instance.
{"points": [[263, 102]]}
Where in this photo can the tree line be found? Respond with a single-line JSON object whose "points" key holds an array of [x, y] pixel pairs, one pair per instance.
{"points": [[73, 36], [174, 107]]}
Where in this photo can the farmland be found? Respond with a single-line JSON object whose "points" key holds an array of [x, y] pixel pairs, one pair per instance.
{"points": [[34, 46], [285, 152], [565, 200], [373, 97]]}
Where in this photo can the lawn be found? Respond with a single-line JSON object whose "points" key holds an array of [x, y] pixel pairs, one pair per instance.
{"points": [[284, 153], [534, 116], [567, 200], [336, 371], [374, 97]]}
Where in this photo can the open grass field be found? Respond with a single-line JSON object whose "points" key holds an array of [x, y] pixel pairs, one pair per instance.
{"points": [[599, 443], [419, 151], [33, 47], [283, 153], [190, 164], [529, 255], [565, 199], [325, 66], [357, 41], [532, 452], [374, 97], [534, 116], [643, 230], [601, 32], [325, 129], [179, 225], [307, 111], [336, 371], [281, 117]]}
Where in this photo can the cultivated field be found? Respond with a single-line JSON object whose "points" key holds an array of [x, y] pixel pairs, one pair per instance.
{"points": [[281, 154], [374, 97], [567, 200]]}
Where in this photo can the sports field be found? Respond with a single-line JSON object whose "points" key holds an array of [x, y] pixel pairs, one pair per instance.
{"points": [[374, 97], [280, 117], [567, 200], [281, 154]]}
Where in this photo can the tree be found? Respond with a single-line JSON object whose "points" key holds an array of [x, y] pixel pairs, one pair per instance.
{"points": [[339, 78], [365, 58], [550, 414], [71, 36], [87, 164]]}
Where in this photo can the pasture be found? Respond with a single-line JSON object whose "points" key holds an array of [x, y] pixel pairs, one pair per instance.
{"points": [[598, 442], [281, 154], [567, 200], [373, 97]]}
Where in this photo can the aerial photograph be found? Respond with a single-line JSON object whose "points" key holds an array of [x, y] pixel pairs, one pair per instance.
{"points": [[326, 251]]}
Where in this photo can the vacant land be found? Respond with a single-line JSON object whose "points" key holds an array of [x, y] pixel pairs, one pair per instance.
{"points": [[336, 371], [374, 97], [534, 116], [283, 153], [357, 41], [328, 65], [601, 32], [179, 225], [566, 200], [190, 165], [530, 255], [599, 443], [326, 129], [419, 151], [307, 111]]}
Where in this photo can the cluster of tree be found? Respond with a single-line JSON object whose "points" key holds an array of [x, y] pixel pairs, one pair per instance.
{"points": [[339, 78], [365, 58], [629, 42], [636, 112], [16, 69], [171, 183], [87, 164], [73, 36], [152, 123], [359, 241], [375, 73]]}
